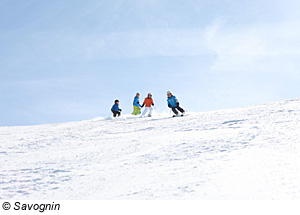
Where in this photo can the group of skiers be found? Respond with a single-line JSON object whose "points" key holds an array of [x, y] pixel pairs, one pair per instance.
{"points": [[149, 104]]}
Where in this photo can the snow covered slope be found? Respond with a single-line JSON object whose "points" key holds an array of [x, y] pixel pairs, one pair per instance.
{"points": [[244, 153]]}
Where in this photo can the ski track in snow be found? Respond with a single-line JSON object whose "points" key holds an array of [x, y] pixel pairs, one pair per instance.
{"points": [[242, 153]]}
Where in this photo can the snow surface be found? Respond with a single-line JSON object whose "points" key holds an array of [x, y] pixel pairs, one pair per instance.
{"points": [[244, 153]]}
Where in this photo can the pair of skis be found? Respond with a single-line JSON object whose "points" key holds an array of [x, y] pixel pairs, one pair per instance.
{"points": [[182, 114], [177, 115]]}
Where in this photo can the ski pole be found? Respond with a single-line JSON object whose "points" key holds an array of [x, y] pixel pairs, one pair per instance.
{"points": [[157, 112]]}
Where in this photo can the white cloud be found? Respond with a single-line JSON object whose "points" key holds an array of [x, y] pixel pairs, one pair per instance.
{"points": [[260, 48], [153, 42]]}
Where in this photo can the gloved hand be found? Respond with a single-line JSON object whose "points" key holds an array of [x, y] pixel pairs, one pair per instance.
{"points": [[177, 104], [153, 104], [142, 106], [169, 106], [120, 110]]}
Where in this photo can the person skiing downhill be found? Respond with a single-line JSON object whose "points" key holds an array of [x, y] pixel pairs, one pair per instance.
{"points": [[115, 109], [149, 103], [136, 105], [174, 104]]}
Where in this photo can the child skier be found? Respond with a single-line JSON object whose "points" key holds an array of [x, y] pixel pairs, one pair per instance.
{"points": [[136, 105], [115, 109], [148, 102], [174, 104]]}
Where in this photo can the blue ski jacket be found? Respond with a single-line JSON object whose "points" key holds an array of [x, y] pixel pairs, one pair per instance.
{"points": [[115, 107], [136, 101], [172, 101]]}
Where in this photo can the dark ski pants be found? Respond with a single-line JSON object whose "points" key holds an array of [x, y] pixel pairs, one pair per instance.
{"points": [[116, 113], [178, 108]]}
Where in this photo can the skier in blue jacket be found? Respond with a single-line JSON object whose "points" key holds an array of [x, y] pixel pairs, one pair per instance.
{"points": [[136, 105], [174, 104], [115, 109]]}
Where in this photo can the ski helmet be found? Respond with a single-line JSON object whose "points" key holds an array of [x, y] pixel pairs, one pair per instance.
{"points": [[169, 92], [116, 101], [149, 94]]}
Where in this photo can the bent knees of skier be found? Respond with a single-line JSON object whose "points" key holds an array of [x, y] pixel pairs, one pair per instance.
{"points": [[115, 109], [174, 104]]}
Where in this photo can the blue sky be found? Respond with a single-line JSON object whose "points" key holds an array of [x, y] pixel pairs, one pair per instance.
{"points": [[69, 60]]}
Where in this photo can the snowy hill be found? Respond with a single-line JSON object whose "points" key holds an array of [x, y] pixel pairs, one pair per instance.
{"points": [[243, 153]]}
